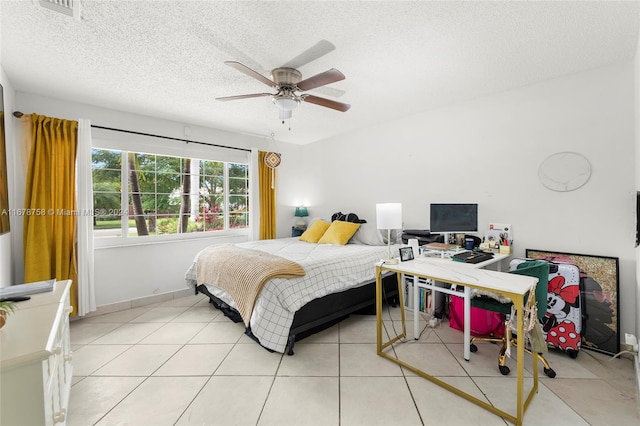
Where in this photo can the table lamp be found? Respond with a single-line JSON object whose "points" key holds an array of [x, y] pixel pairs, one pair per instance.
{"points": [[301, 213], [389, 216]]}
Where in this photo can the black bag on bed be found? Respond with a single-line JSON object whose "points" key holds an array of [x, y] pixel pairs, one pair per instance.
{"points": [[351, 217]]}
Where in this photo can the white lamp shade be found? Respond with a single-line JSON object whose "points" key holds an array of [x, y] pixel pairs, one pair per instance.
{"points": [[286, 103], [284, 114], [389, 215]]}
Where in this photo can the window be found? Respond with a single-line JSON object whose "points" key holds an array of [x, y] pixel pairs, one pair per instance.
{"points": [[145, 195]]}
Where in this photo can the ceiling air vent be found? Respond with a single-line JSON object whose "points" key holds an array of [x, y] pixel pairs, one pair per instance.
{"points": [[66, 7]]}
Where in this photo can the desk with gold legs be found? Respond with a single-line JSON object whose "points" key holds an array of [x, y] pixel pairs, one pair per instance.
{"points": [[510, 285]]}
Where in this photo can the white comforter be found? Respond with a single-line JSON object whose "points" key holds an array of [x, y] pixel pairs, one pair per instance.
{"points": [[329, 269]]}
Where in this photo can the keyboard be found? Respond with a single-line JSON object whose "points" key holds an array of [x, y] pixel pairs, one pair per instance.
{"points": [[472, 257]]}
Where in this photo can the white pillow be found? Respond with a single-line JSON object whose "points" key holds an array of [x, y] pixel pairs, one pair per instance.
{"points": [[396, 236], [368, 234]]}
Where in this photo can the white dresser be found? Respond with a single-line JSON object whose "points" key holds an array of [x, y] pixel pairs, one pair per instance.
{"points": [[35, 360]]}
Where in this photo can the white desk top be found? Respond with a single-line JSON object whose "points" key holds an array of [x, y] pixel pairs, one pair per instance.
{"points": [[465, 274], [497, 257]]}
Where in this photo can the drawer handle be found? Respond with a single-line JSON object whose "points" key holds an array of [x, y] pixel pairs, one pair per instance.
{"points": [[59, 416], [57, 350], [68, 357], [68, 310]]}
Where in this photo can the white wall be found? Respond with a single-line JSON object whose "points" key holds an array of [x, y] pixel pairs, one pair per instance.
{"points": [[488, 151], [637, 186], [292, 189]]}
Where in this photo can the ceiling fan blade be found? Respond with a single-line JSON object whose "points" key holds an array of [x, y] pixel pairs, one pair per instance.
{"points": [[330, 91], [219, 41], [316, 51], [251, 73], [328, 103], [233, 98], [321, 79]]}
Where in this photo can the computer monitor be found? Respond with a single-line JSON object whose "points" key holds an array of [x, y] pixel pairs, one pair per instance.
{"points": [[453, 218]]}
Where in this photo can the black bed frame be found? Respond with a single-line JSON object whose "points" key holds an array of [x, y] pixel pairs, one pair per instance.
{"points": [[322, 313]]}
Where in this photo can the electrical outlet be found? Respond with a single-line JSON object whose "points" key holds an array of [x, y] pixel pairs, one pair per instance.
{"points": [[631, 342]]}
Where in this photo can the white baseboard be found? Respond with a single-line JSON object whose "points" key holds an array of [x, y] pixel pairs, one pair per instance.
{"points": [[137, 303]]}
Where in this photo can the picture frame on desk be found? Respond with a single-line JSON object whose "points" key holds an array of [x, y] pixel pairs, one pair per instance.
{"points": [[406, 253], [493, 236], [599, 288]]}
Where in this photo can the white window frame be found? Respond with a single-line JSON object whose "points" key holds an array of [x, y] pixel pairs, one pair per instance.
{"points": [[151, 145]]}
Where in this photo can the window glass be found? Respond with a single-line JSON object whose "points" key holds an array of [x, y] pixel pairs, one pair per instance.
{"points": [[166, 194], [107, 192]]}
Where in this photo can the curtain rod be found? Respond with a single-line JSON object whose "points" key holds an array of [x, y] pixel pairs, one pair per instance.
{"points": [[19, 114]]}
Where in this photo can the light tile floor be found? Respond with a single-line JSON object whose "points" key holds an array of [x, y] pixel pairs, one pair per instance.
{"points": [[183, 363]]}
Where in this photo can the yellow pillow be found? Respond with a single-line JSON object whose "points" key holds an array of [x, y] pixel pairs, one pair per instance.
{"points": [[339, 232], [315, 231]]}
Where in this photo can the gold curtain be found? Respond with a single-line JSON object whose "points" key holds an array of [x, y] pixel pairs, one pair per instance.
{"points": [[50, 200], [267, 177]]}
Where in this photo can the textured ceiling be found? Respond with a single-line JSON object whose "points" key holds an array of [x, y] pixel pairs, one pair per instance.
{"points": [[166, 58]]}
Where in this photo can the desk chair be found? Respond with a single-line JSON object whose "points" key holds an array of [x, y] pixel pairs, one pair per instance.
{"points": [[533, 268]]}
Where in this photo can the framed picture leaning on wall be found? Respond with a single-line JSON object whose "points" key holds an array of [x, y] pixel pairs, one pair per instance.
{"points": [[599, 286]]}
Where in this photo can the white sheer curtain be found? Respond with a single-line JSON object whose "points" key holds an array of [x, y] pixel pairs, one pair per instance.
{"points": [[84, 185], [254, 197]]}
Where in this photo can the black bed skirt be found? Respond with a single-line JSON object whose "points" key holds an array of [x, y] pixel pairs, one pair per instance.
{"points": [[320, 314]]}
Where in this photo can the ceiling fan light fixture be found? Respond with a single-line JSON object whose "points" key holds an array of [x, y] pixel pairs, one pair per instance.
{"points": [[284, 114], [285, 103]]}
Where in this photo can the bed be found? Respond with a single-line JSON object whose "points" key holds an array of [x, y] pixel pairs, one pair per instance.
{"points": [[338, 280]]}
